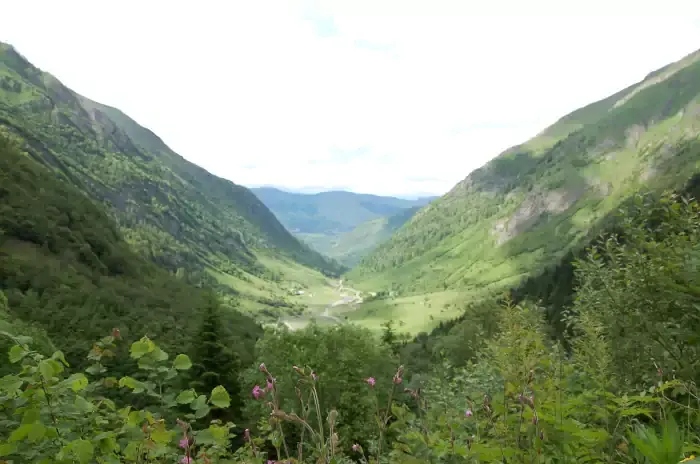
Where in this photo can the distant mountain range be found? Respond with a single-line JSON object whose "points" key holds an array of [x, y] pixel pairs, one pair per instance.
{"points": [[342, 225]]}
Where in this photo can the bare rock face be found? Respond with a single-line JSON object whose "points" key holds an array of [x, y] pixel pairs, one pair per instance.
{"points": [[530, 211]]}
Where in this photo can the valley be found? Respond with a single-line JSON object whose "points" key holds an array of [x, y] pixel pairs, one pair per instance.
{"points": [[153, 312]]}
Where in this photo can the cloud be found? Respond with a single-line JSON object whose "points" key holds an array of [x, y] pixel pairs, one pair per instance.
{"points": [[382, 97]]}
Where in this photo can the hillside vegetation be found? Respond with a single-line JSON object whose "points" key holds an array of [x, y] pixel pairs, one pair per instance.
{"points": [[529, 206], [69, 277], [342, 225], [170, 210]]}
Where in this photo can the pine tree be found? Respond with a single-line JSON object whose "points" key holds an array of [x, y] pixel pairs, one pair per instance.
{"points": [[215, 363]]}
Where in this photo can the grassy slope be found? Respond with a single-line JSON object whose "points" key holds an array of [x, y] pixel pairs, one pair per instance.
{"points": [[527, 207], [171, 211]]}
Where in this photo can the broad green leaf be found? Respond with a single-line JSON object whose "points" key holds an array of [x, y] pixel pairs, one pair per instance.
{"points": [[182, 362], [17, 353], [7, 448], [82, 404], [37, 432], [201, 412], [200, 402], [20, 433], [186, 397], [161, 435], [159, 355], [59, 356], [132, 383], [220, 397], [141, 347], [77, 382], [10, 383], [49, 368], [83, 450]]}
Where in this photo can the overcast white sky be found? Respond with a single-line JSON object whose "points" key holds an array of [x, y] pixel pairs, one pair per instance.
{"points": [[380, 96]]}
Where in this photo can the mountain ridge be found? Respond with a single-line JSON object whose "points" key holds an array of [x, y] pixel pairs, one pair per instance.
{"points": [[528, 206], [171, 210]]}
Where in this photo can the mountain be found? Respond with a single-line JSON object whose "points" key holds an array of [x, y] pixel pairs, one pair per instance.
{"points": [[526, 208], [67, 277], [170, 210], [342, 225], [330, 212], [350, 247]]}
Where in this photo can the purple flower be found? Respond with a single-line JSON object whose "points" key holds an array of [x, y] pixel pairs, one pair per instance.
{"points": [[258, 392], [186, 460], [468, 413], [270, 385], [370, 381], [184, 443], [356, 448]]}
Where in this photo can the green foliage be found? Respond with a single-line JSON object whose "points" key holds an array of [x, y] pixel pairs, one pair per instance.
{"points": [[53, 416], [341, 357]]}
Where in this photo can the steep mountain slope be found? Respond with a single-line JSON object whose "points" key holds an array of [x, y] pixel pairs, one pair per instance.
{"points": [[170, 210], [350, 247], [526, 208], [330, 213], [67, 272]]}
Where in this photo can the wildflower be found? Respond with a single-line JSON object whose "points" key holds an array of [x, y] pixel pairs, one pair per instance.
{"points": [[397, 380], [186, 460], [270, 383], [314, 376], [115, 333], [258, 392], [370, 381], [262, 367], [246, 435], [468, 413], [184, 443], [356, 448]]}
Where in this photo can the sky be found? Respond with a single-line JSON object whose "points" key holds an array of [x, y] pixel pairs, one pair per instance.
{"points": [[374, 96]]}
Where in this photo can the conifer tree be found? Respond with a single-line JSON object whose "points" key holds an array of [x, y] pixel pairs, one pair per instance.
{"points": [[215, 362]]}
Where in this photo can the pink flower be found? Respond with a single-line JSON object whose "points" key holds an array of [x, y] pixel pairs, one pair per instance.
{"points": [[270, 385], [262, 367], [258, 392], [397, 379], [186, 460], [356, 448], [184, 443], [468, 413], [370, 381]]}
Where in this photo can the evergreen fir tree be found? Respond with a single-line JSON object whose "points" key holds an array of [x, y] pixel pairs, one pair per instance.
{"points": [[215, 363]]}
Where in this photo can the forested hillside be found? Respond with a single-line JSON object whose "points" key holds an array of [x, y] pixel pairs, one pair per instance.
{"points": [[171, 211], [69, 278], [529, 206]]}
